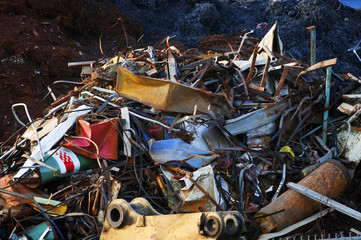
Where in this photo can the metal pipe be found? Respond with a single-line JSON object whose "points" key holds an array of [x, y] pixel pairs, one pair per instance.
{"points": [[327, 103], [281, 183], [329, 179], [31, 122], [351, 96], [85, 63], [240, 46]]}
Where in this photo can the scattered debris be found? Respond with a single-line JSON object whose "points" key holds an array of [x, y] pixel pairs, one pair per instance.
{"points": [[204, 140]]}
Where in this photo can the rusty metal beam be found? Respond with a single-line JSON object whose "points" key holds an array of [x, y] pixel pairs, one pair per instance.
{"points": [[252, 64], [280, 84]]}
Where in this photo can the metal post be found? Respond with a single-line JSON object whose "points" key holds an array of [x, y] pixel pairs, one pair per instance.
{"points": [[312, 30], [327, 103]]}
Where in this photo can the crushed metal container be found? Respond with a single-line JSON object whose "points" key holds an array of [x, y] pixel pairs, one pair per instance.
{"points": [[60, 161]]}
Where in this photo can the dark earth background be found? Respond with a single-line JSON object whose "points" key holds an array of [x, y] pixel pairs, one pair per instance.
{"points": [[38, 38]]}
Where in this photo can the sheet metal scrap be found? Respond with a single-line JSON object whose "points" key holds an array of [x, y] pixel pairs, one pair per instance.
{"points": [[164, 95], [215, 134], [177, 152]]}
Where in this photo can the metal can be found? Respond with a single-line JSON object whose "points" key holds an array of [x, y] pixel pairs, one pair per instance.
{"points": [[63, 161]]}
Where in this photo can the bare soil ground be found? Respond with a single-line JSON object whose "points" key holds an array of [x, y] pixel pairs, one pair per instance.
{"points": [[37, 40]]}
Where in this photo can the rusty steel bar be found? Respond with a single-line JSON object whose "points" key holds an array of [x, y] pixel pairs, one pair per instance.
{"points": [[312, 31], [251, 69], [319, 65], [180, 171], [265, 73], [280, 83]]}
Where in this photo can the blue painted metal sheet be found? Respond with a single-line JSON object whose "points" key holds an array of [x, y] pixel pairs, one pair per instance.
{"points": [[175, 151]]}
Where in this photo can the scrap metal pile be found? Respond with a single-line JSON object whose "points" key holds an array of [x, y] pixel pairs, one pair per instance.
{"points": [[164, 144]]}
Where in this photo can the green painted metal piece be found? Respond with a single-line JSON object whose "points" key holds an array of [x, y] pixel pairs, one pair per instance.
{"points": [[43, 230], [65, 161], [327, 103]]}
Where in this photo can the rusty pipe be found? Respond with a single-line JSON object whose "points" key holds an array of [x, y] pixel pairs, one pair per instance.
{"points": [[330, 179]]}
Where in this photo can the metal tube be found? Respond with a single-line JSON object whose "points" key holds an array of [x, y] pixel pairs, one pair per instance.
{"points": [[240, 46], [327, 103], [351, 96], [281, 183], [317, 128], [31, 122], [85, 63], [329, 179]]}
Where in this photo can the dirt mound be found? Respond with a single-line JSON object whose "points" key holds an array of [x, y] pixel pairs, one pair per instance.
{"points": [[39, 38], [337, 25], [337, 30]]}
